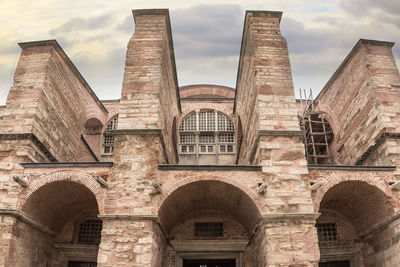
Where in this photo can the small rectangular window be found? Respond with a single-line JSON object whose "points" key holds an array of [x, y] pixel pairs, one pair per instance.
{"points": [[327, 232], [183, 149], [203, 149], [210, 149], [191, 149], [222, 149], [108, 150], [230, 149], [208, 229]]}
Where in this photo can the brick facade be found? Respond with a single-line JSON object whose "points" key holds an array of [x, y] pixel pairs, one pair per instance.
{"points": [[70, 162]]}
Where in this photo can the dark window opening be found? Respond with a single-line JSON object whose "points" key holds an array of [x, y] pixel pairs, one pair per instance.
{"points": [[327, 232], [208, 229], [90, 232]]}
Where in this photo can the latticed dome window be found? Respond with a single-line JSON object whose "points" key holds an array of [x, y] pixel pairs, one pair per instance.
{"points": [[89, 232], [206, 132], [108, 139]]}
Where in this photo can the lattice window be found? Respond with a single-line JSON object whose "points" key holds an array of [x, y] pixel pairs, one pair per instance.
{"points": [[112, 125], [327, 232], [224, 124], [205, 126], [206, 139], [187, 138], [108, 139], [207, 120], [189, 123], [208, 229], [90, 232], [226, 138]]}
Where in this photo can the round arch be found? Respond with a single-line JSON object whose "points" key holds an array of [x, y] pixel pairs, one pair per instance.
{"points": [[361, 203], [208, 195], [82, 178]]}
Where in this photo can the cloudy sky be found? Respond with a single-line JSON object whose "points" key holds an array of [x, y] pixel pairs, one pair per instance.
{"points": [[206, 35]]}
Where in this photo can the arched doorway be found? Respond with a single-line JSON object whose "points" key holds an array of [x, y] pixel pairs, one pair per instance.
{"points": [[208, 223], [348, 211], [68, 210]]}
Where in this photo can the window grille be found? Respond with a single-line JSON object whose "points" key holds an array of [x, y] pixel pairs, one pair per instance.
{"points": [[208, 229], [90, 232], [201, 129], [108, 139], [224, 124], [327, 232], [207, 120], [226, 138], [189, 123], [112, 125], [206, 138], [187, 138]]}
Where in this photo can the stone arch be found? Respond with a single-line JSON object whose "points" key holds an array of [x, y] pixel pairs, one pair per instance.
{"points": [[85, 179], [205, 194], [331, 179], [93, 126], [361, 203]]}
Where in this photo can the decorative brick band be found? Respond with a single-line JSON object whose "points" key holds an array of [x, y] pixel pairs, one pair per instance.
{"points": [[146, 217], [205, 99], [34, 139], [290, 216], [351, 167], [209, 167], [22, 217], [157, 132]]}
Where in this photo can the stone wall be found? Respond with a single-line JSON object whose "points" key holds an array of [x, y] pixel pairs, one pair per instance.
{"points": [[31, 247], [381, 246], [150, 98], [361, 100]]}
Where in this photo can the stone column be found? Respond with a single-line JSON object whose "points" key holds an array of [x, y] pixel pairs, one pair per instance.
{"points": [[266, 105]]}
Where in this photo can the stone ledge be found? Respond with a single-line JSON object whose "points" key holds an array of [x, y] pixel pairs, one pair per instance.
{"points": [[78, 252], [136, 132], [351, 167], [209, 167], [34, 139], [205, 99], [22, 217], [209, 245], [68, 164], [280, 216], [147, 217]]}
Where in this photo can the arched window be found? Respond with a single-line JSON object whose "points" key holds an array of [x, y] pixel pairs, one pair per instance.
{"points": [[206, 132], [89, 232], [108, 139]]}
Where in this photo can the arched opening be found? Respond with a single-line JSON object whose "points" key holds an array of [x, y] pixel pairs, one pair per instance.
{"points": [[107, 148], [318, 137], [349, 210], [91, 135], [207, 137], [203, 217], [59, 207]]}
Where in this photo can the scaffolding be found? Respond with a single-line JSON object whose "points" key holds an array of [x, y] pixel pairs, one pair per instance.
{"points": [[317, 132]]}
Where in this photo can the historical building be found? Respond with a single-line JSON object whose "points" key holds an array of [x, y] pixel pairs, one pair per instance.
{"points": [[202, 175]]}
